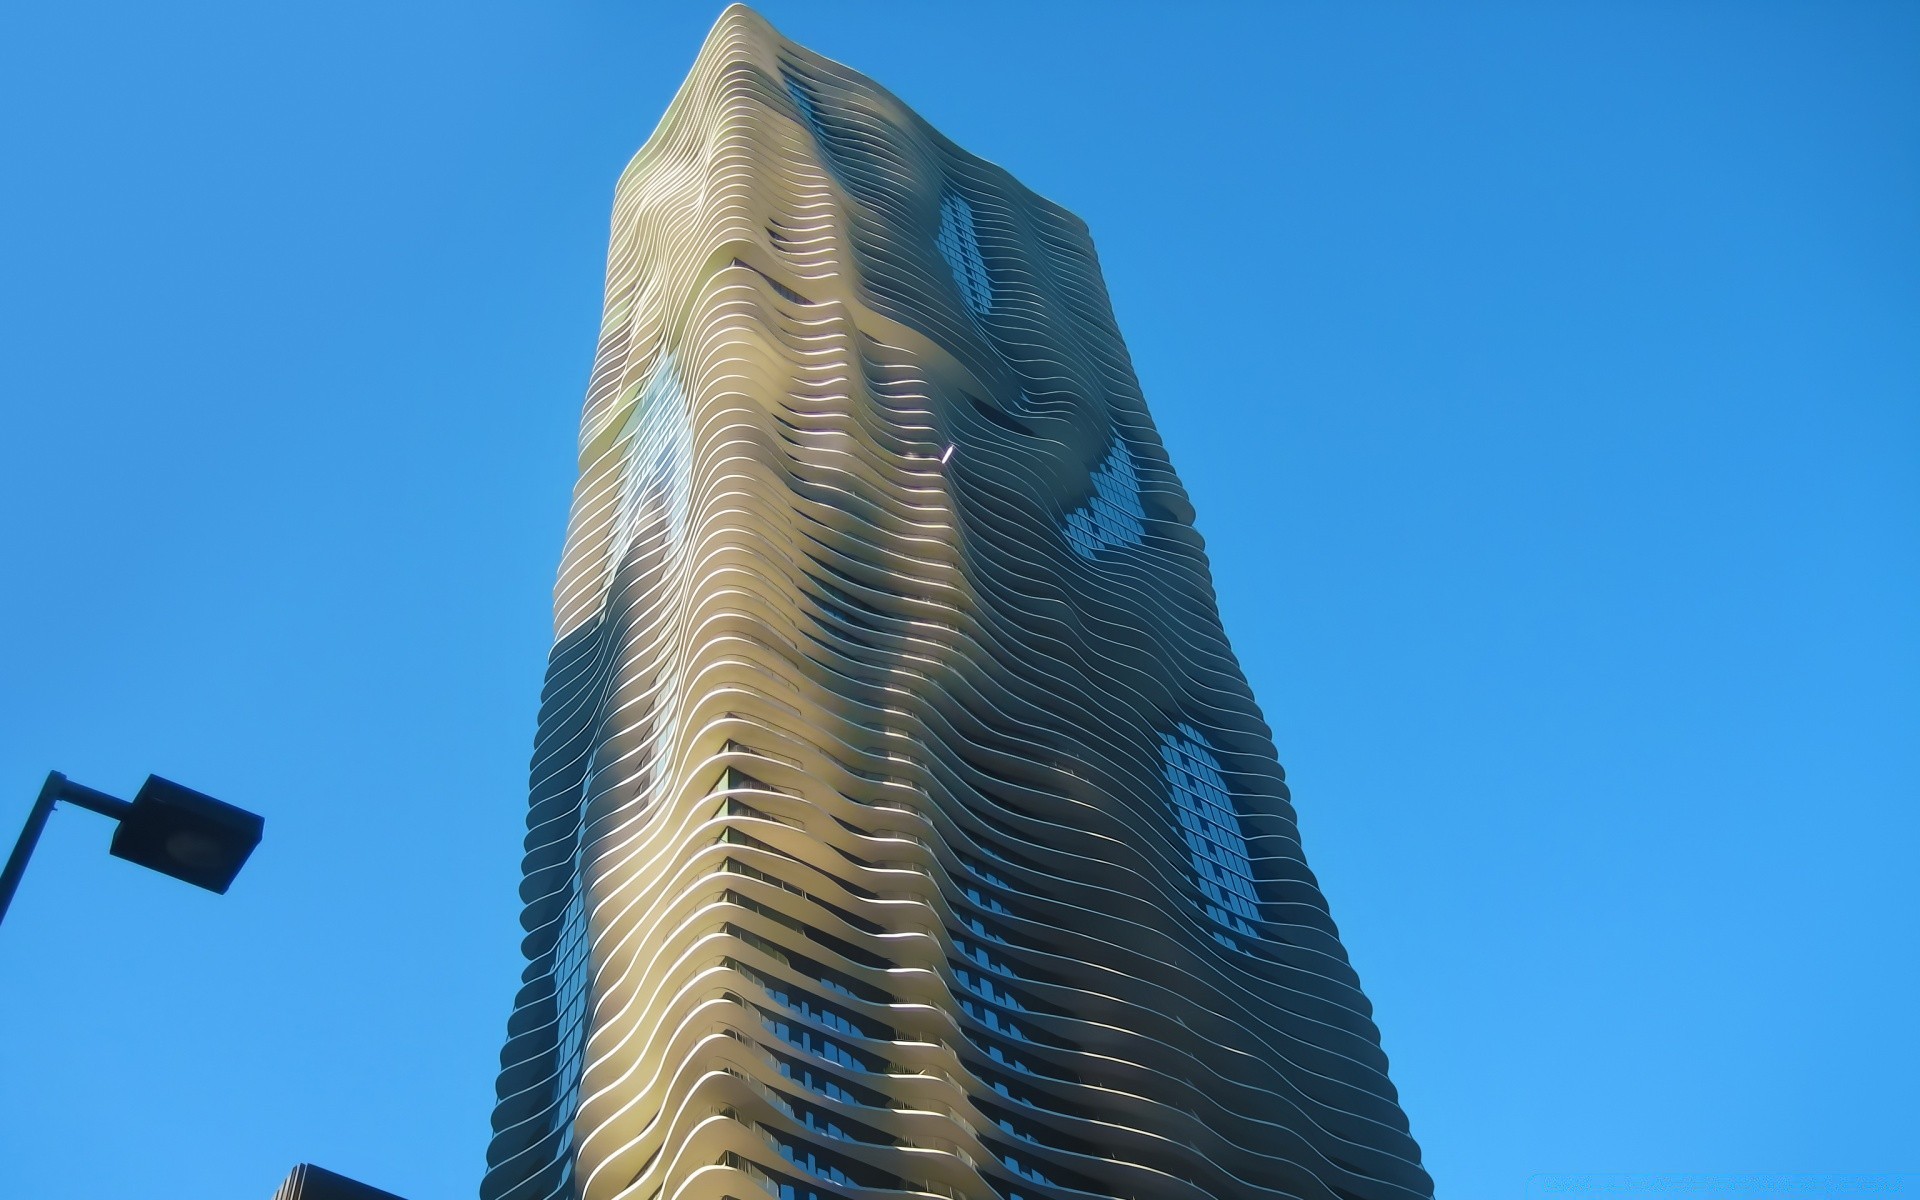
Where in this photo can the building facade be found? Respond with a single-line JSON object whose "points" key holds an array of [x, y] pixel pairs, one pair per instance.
{"points": [[901, 821]]}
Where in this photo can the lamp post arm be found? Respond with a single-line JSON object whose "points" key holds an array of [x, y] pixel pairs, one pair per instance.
{"points": [[88, 798], [57, 787]]}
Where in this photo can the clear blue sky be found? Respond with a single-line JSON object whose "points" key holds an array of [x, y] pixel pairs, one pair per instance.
{"points": [[1547, 378]]}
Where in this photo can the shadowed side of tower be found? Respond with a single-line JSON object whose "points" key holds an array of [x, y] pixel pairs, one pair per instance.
{"points": [[901, 821]]}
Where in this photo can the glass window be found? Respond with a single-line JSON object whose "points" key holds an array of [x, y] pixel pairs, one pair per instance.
{"points": [[1216, 845], [959, 244], [1114, 515]]}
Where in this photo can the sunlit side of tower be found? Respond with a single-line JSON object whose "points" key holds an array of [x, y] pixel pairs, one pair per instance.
{"points": [[901, 821]]}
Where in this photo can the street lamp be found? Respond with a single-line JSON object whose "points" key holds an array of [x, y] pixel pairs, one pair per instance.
{"points": [[172, 829]]}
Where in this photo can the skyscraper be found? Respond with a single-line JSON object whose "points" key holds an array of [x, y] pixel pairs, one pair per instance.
{"points": [[901, 821]]}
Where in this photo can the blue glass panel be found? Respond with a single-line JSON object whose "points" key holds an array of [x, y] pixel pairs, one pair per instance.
{"points": [[1216, 845], [959, 244], [1113, 516]]}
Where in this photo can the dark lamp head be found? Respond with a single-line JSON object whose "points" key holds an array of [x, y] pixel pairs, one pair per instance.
{"points": [[186, 834]]}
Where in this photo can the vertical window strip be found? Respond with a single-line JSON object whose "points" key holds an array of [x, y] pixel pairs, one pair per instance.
{"points": [[571, 991], [1216, 843], [1113, 516], [959, 243]]}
